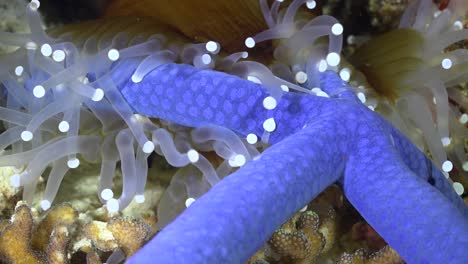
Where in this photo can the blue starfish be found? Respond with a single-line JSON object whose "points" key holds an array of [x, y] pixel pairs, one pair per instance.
{"points": [[317, 142]]}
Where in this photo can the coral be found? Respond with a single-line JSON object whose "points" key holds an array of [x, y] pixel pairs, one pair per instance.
{"points": [[101, 236], [55, 239], [56, 220], [335, 228], [12, 19], [306, 243], [124, 233], [58, 245], [386, 255], [385, 13], [130, 234], [15, 239], [8, 194]]}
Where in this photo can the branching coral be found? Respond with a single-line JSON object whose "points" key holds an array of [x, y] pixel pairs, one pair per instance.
{"points": [[89, 96], [50, 240], [305, 244], [310, 233], [58, 218], [384, 256], [47, 243], [15, 239], [118, 233]]}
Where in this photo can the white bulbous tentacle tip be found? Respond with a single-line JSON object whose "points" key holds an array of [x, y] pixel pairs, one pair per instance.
{"points": [[319, 92], [148, 147], [269, 125], [26, 135], [345, 74], [112, 206], [139, 198], [463, 119], [323, 94], [447, 166], [58, 55], [250, 42], [45, 205], [31, 45], [254, 79], [63, 126], [252, 138], [189, 201], [322, 66], [457, 25], [193, 155], [446, 141], [337, 29], [34, 4], [446, 63], [98, 95], [113, 54], [333, 59], [301, 77], [311, 4], [15, 180], [136, 79], [38, 91], [206, 59], [269, 103], [46, 50], [19, 70], [362, 97], [73, 163], [237, 160], [458, 187], [107, 194], [213, 47], [465, 166]]}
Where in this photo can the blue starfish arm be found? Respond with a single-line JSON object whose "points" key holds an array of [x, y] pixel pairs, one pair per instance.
{"points": [[230, 222], [192, 97], [422, 166], [417, 220], [238, 214]]}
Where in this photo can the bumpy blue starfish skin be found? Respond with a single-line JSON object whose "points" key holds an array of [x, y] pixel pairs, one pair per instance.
{"points": [[317, 142]]}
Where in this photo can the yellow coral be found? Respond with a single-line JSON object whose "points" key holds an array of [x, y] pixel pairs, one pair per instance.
{"points": [[125, 233], [57, 246], [15, 239], [64, 214], [385, 255], [130, 234], [302, 244], [8, 194], [101, 236]]}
